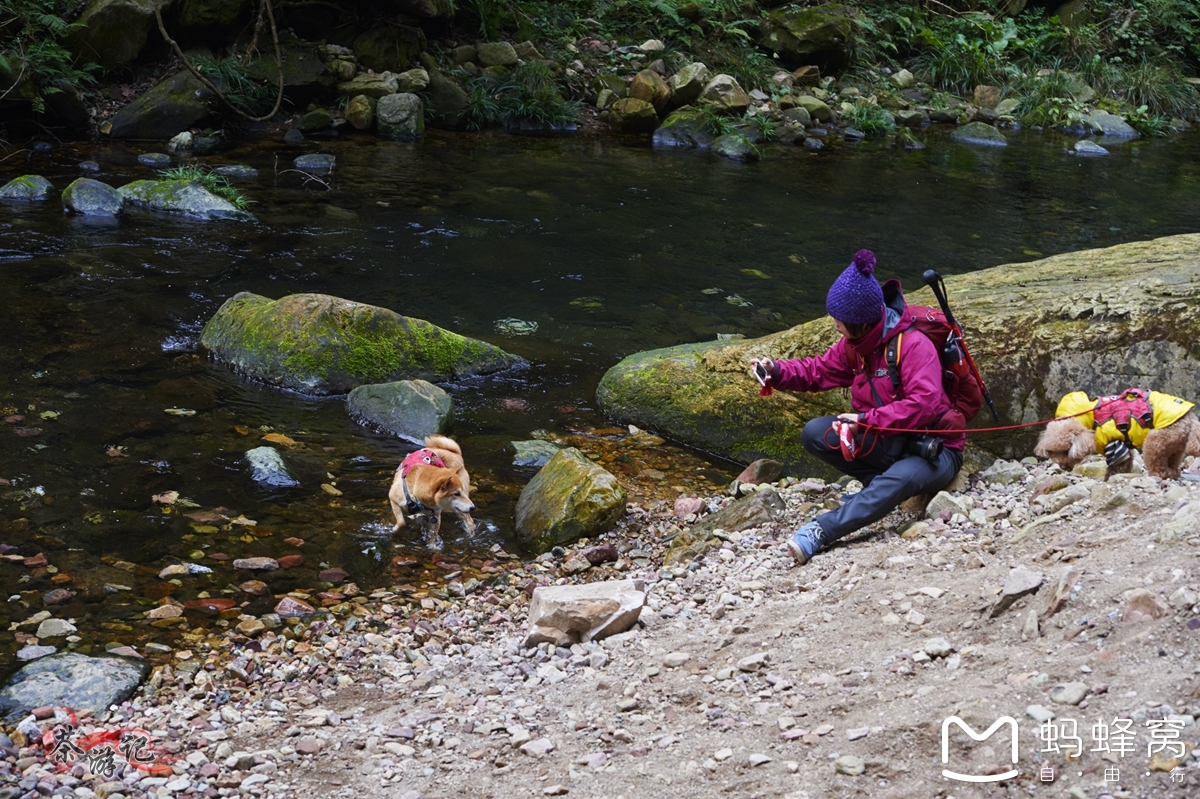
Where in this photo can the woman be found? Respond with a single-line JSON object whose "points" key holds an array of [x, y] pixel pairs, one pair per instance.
{"points": [[889, 465]]}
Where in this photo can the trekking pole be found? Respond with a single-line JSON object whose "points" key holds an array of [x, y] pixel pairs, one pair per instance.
{"points": [[935, 282]]}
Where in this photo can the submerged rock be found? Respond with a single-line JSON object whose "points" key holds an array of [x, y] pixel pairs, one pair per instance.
{"points": [[267, 468], [88, 197], [570, 498], [411, 409], [316, 163], [1131, 310], [534, 452], [318, 344], [27, 187], [71, 680], [185, 197], [1086, 147], [236, 171], [154, 159], [735, 146], [979, 133]]}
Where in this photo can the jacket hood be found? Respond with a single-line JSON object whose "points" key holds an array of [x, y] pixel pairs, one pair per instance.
{"points": [[1076, 403]]}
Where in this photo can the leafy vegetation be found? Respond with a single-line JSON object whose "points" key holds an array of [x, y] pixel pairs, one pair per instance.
{"points": [[870, 118], [33, 62], [217, 184], [528, 95], [239, 88]]}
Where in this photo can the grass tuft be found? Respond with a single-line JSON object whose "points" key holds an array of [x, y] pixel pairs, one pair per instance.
{"points": [[217, 184]]}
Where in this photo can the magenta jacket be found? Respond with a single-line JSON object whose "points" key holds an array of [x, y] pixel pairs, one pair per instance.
{"points": [[922, 402]]}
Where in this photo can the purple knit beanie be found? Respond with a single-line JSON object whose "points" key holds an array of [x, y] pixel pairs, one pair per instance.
{"points": [[855, 298]]}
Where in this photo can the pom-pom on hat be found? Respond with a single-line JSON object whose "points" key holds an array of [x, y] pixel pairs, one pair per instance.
{"points": [[856, 298]]}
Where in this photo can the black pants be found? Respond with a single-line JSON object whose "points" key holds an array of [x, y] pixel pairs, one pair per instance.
{"points": [[888, 476]]}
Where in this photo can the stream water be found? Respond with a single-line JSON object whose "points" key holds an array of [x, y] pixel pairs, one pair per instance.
{"points": [[608, 246]]}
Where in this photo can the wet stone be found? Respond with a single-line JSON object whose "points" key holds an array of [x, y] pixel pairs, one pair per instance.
{"points": [[57, 596], [334, 575], [316, 163], [154, 159], [256, 564]]}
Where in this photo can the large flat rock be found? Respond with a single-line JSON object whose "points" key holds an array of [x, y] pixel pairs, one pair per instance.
{"points": [[1095, 320], [71, 680], [322, 345]]}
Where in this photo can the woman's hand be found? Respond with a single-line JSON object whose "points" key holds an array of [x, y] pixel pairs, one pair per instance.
{"points": [[762, 369], [850, 419]]}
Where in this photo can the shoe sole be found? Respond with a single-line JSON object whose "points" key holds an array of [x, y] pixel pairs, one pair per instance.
{"points": [[797, 553]]}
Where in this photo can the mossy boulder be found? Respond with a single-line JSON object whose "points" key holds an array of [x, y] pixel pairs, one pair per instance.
{"points": [[687, 83], [817, 109], [305, 76], [201, 17], [686, 127], [389, 48], [816, 35], [1095, 320], [360, 112], [632, 115], [176, 103], [811, 35], [321, 345], [29, 188], [411, 409], [570, 498], [648, 85], [447, 101], [87, 197], [112, 33], [184, 197]]}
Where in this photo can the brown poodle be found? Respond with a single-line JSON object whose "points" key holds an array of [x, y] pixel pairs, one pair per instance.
{"points": [[1069, 441]]}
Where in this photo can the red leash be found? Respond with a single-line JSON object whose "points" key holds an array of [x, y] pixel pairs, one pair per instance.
{"points": [[1002, 428]]}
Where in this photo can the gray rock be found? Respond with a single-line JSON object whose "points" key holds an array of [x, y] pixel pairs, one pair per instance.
{"points": [[317, 119], [267, 468], [570, 498], [1185, 523], [236, 171], [26, 187], [1111, 125], [447, 101], [1057, 500], [809, 35], [938, 648], [55, 628], [943, 502], [817, 109], [400, 117], [111, 32], [687, 83], [534, 453], [566, 614], [411, 409], [497, 54], [736, 147], [176, 103], [1071, 693], [1020, 581], [1004, 472], [87, 197], [1039, 714], [184, 197], [35, 651], [723, 93], [910, 117], [979, 133], [360, 112], [71, 680], [89, 166], [412, 81], [316, 163], [1085, 147], [154, 159], [761, 507], [370, 85]]}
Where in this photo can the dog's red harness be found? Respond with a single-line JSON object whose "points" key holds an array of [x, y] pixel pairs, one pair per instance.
{"points": [[1131, 404], [426, 457]]}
